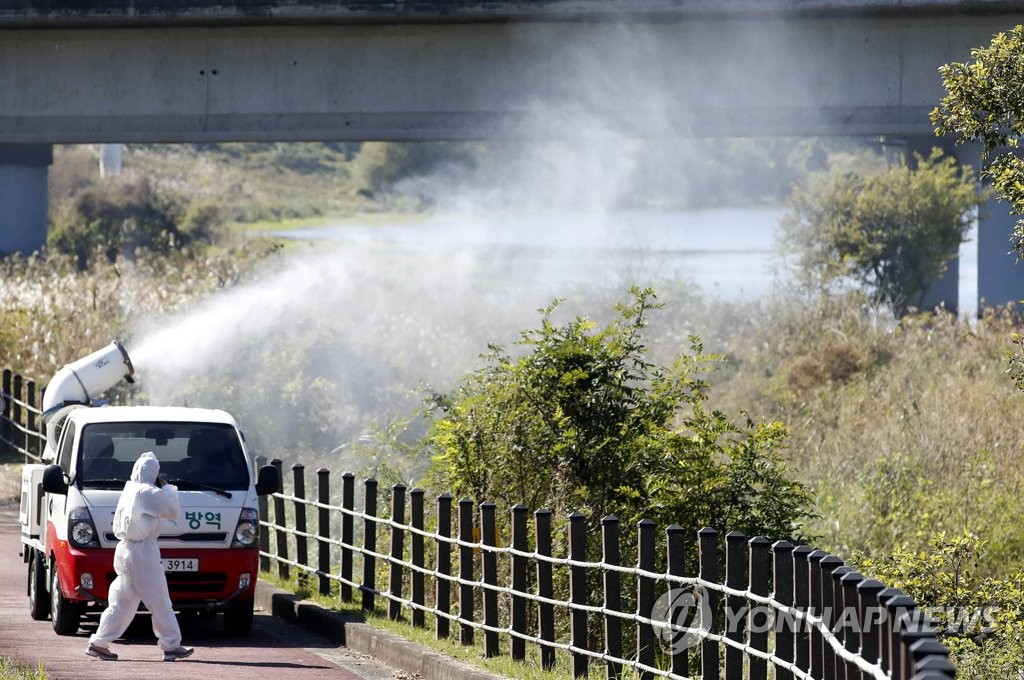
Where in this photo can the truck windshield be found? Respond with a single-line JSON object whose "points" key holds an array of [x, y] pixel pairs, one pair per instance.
{"points": [[209, 455]]}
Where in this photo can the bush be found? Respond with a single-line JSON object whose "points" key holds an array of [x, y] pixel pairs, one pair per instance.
{"points": [[980, 620], [583, 422]]}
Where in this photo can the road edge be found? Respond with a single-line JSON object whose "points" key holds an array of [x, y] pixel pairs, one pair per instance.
{"points": [[388, 648]]}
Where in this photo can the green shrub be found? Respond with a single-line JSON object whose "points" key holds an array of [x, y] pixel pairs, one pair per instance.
{"points": [[582, 421], [980, 620]]}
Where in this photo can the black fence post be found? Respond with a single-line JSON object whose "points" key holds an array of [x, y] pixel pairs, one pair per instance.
{"points": [[520, 580], [675, 539], [870, 619], [280, 522], [323, 498], [443, 586], [418, 559], [20, 438], [851, 612], [369, 585], [645, 597], [465, 571], [6, 402], [827, 565], [578, 593], [31, 441], [263, 506], [397, 551], [709, 654], [348, 507], [489, 566], [301, 544], [840, 619], [783, 577], [612, 596], [815, 605], [801, 601], [545, 588], [897, 606], [760, 580], [737, 555]]}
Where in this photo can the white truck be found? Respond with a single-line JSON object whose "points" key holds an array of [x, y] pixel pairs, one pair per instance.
{"points": [[210, 554]]}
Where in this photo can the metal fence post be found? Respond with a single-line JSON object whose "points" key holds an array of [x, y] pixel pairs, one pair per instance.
{"points": [[783, 577], [815, 604], [578, 593], [263, 507], [675, 538], [465, 571], [397, 551], [897, 606], [801, 595], [870, 619], [840, 622], [348, 541], [418, 559], [489, 560], [443, 586], [520, 580], [737, 556], [645, 597], [301, 544], [851, 610], [827, 565], [31, 442], [760, 578], [280, 521], [323, 497], [369, 585], [6, 403], [20, 438], [709, 654], [612, 596], [545, 588]]}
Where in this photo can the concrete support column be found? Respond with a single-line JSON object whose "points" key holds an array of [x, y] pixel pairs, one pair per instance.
{"points": [[23, 196]]}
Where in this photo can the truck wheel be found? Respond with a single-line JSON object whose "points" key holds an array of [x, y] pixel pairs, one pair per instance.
{"points": [[65, 613], [238, 618], [38, 598]]}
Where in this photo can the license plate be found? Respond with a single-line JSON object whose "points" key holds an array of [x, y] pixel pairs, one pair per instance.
{"points": [[181, 564]]}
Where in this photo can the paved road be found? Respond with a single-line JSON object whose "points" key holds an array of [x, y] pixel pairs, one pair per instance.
{"points": [[274, 648]]}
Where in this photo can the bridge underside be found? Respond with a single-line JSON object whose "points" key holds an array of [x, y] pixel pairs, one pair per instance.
{"points": [[669, 75]]}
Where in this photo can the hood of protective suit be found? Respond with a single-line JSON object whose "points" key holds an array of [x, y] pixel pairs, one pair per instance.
{"points": [[146, 469], [143, 505]]}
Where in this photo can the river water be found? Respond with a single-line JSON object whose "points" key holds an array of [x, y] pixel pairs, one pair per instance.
{"points": [[728, 253]]}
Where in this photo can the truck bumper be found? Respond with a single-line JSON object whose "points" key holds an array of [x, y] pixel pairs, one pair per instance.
{"points": [[224, 576]]}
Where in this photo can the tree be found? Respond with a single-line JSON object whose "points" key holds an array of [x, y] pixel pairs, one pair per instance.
{"points": [[893, 232], [583, 422], [985, 102]]}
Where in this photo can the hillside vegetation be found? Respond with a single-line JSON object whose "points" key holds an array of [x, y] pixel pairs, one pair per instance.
{"points": [[898, 428]]}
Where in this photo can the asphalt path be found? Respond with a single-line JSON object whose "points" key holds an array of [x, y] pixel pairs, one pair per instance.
{"points": [[274, 648]]}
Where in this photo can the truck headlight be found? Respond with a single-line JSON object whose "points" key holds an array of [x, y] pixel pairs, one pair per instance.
{"points": [[248, 528], [81, 530]]}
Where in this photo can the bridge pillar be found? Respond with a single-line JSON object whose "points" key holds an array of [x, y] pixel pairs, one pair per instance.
{"points": [[23, 196]]}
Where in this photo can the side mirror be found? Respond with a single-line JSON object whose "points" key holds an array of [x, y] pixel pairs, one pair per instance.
{"points": [[268, 481], [53, 480]]}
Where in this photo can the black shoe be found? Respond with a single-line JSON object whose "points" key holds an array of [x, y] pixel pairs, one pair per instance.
{"points": [[175, 654], [101, 653]]}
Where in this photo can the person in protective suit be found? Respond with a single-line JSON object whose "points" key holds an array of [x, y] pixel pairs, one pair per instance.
{"points": [[146, 500]]}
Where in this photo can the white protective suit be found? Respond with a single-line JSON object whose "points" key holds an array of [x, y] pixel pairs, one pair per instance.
{"points": [[140, 575]]}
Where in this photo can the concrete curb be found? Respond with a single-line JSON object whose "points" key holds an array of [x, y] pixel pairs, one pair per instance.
{"points": [[388, 648]]}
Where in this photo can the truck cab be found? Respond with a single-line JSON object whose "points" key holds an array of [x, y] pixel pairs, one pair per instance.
{"points": [[210, 553]]}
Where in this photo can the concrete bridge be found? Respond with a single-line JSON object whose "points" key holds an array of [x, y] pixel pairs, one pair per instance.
{"points": [[206, 70]]}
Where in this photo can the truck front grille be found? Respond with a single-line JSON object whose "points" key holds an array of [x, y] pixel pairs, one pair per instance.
{"points": [[190, 582]]}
